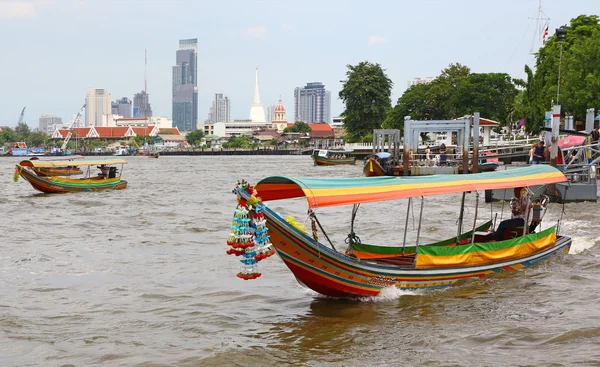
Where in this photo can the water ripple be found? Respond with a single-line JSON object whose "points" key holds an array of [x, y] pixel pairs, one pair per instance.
{"points": [[139, 277]]}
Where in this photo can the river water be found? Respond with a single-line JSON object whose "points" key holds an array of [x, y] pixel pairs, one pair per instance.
{"points": [[139, 277]]}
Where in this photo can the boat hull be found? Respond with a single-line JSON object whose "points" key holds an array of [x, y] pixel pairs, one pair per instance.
{"points": [[488, 167], [335, 274], [372, 168], [324, 161], [53, 185]]}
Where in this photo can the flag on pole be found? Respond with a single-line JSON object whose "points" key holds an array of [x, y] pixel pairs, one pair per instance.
{"points": [[521, 123], [545, 35]]}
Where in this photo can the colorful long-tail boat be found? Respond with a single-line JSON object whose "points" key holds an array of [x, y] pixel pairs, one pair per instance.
{"points": [[366, 269], [108, 177]]}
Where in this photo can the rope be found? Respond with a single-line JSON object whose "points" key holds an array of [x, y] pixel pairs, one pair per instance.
{"points": [[352, 237]]}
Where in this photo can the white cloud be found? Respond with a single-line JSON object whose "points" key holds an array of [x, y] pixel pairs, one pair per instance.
{"points": [[286, 27], [255, 32], [376, 39], [28, 9], [17, 10]]}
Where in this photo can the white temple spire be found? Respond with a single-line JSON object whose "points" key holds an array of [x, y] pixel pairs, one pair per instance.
{"points": [[257, 112]]}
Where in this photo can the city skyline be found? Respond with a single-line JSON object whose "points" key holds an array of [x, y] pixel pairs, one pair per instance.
{"points": [[270, 35]]}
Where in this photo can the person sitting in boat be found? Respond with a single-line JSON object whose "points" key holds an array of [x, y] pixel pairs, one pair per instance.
{"points": [[103, 171], [519, 205]]}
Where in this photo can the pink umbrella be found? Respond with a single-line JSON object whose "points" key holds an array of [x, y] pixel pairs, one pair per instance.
{"points": [[570, 141]]}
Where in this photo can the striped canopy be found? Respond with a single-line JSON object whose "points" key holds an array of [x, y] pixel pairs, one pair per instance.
{"points": [[343, 191]]}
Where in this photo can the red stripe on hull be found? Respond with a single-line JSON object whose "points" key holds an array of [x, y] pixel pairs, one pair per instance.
{"points": [[324, 285]]}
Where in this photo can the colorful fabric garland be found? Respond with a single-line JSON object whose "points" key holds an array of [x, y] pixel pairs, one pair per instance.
{"points": [[249, 238]]}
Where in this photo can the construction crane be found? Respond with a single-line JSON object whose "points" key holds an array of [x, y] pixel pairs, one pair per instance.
{"points": [[73, 123], [22, 115]]}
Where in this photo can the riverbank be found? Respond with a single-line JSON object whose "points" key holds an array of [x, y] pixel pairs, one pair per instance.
{"points": [[204, 152]]}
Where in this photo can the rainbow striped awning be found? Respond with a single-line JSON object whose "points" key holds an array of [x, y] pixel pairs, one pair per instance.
{"points": [[343, 191]]}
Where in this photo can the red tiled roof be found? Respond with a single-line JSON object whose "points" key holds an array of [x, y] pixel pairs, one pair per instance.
{"points": [[112, 132], [80, 131], [320, 127], [142, 131], [173, 130]]}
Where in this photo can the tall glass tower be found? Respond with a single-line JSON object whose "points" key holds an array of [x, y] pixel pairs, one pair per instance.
{"points": [[185, 86], [312, 103]]}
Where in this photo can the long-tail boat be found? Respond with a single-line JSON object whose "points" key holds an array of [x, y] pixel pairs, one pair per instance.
{"points": [[378, 164], [366, 269], [323, 157], [108, 177]]}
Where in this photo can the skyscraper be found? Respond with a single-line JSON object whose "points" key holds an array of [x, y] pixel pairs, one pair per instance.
{"points": [[97, 107], [270, 112], [185, 85], [220, 110], [257, 112], [141, 104], [312, 103], [48, 123], [122, 107]]}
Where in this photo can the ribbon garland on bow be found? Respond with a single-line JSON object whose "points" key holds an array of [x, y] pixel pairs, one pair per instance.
{"points": [[248, 237]]}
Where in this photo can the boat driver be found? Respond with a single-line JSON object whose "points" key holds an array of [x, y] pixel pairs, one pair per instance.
{"points": [[519, 205], [103, 171]]}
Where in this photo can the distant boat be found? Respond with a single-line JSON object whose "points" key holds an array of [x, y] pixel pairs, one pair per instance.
{"points": [[324, 157], [109, 177]]}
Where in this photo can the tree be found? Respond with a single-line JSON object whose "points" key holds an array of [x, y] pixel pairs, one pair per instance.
{"points": [[7, 135], [194, 137], [22, 131], [298, 127], [37, 139], [142, 140], [455, 93], [367, 95], [242, 141], [579, 70]]}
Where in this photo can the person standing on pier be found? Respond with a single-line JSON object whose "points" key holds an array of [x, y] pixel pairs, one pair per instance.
{"points": [[595, 135], [538, 153], [531, 151]]}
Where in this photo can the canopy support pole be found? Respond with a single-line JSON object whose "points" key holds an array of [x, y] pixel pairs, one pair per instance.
{"points": [[475, 217], [312, 214], [527, 207], [406, 224], [419, 228], [460, 218]]}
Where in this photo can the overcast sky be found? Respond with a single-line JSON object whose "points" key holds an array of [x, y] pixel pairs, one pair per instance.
{"points": [[51, 51]]}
